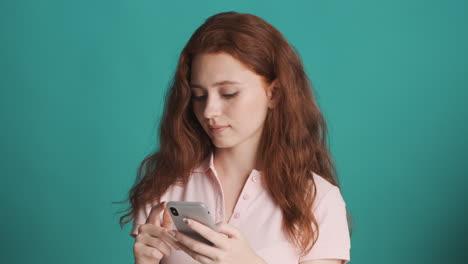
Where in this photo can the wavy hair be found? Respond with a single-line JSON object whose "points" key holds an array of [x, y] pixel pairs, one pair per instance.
{"points": [[293, 140]]}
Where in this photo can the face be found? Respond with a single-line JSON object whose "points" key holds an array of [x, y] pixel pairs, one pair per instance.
{"points": [[226, 94]]}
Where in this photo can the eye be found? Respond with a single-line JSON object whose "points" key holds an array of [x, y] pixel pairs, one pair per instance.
{"points": [[228, 96], [198, 98]]}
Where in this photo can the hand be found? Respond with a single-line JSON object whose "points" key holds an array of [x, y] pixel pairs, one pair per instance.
{"points": [[229, 245], [152, 242]]}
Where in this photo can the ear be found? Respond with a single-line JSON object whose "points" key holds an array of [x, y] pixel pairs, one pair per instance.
{"points": [[272, 94]]}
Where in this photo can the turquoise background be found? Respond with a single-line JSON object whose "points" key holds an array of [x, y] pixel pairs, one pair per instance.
{"points": [[82, 89]]}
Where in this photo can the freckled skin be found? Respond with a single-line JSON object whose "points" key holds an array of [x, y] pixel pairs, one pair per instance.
{"points": [[245, 112]]}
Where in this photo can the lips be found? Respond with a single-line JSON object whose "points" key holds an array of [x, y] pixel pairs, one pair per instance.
{"points": [[217, 129]]}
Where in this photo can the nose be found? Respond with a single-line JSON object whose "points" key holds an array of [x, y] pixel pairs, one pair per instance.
{"points": [[212, 107]]}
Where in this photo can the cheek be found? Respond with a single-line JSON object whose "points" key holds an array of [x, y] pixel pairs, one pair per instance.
{"points": [[198, 111], [198, 108], [248, 111]]}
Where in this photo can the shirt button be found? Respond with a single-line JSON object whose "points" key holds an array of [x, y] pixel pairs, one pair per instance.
{"points": [[236, 215], [254, 178], [246, 196]]}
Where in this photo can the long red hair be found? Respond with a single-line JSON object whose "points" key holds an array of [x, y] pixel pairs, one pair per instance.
{"points": [[293, 142]]}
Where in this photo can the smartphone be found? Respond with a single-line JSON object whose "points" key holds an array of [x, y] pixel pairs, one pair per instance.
{"points": [[194, 210]]}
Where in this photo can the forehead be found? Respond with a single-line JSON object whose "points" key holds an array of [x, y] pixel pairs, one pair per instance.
{"points": [[207, 69]]}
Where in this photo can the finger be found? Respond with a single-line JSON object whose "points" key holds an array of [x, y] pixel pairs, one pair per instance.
{"points": [[151, 252], [196, 246], [158, 244], [142, 249], [170, 239], [153, 217], [198, 257], [156, 253], [206, 232], [228, 230], [158, 233], [167, 219]]}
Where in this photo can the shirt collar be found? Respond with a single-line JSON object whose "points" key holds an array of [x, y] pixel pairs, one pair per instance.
{"points": [[208, 163]]}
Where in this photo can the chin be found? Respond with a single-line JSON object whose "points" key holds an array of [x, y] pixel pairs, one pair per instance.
{"points": [[223, 144]]}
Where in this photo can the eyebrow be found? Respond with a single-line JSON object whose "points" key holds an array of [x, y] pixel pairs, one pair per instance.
{"points": [[220, 83]]}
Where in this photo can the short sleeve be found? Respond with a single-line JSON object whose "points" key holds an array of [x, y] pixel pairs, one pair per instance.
{"points": [[334, 240], [140, 219]]}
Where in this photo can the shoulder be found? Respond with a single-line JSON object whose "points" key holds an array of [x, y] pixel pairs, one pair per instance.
{"points": [[333, 242], [326, 191]]}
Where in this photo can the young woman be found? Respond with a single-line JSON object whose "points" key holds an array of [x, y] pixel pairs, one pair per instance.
{"points": [[242, 133]]}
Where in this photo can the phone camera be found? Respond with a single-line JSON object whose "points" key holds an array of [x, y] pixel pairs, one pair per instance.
{"points": [[174, 211]]}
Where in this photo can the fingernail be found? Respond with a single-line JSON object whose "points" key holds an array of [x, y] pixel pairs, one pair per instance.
{"points": [[186, 221], [170, 232]]}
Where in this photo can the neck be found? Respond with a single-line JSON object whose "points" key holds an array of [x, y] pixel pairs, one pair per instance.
{"points": [[235, 161]]}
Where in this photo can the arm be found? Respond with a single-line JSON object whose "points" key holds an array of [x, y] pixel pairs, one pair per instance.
{"points": [[333, 244]]}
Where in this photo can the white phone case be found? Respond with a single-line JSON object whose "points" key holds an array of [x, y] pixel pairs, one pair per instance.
{"points": [[194, 210]]}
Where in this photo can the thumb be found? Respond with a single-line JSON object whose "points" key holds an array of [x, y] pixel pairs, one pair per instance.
{"points": [[167, 219], [228, 230], [153, 217]]}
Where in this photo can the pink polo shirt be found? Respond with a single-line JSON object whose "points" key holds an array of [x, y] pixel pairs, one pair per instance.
{"points": [[259, 219]]}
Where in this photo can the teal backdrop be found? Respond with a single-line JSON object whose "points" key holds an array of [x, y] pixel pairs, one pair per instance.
{"points": [[82, 92]]}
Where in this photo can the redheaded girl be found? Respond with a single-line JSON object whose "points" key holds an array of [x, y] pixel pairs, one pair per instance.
{"points": [[242, 133]]}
